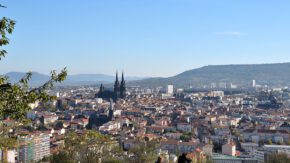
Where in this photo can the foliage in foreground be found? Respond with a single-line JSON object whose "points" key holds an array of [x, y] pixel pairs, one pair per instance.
{"points": [[97, 148], [86, 147], [15, 98], [278, 158]]}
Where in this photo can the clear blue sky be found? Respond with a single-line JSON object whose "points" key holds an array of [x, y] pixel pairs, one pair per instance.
{"points": [[144, 37]]}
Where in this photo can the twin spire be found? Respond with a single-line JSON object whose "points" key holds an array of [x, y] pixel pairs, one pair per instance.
{"points": [[119, 88]]}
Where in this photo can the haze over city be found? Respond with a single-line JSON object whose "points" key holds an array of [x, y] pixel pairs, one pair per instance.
{"points": [[144, 38]]}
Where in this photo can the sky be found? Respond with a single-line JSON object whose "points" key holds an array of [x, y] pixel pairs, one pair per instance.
{"points": [[144, 37]]}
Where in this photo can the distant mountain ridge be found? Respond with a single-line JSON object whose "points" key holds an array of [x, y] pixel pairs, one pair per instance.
{"points": [[242, 75], [271, 74], [78, 79]]}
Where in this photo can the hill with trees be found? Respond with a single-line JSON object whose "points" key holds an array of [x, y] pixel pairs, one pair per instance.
{"points": [[242, 75]]}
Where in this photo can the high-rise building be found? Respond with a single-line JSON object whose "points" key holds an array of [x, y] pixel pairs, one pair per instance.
{"points": [[33, 147], [213, 85], [254, 83], [57, 94], [170, 89], [8, 156]]}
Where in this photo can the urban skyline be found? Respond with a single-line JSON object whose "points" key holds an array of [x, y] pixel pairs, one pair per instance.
{"points": [[195, 81]]}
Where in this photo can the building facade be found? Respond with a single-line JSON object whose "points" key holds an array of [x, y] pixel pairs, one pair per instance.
{"points": [[33, 147]]}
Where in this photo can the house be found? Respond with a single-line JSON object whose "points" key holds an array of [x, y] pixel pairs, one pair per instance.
{"points": [[57, 131], [218, 158], [175, 136], [229, 149], [174, 146], [156, 129], [256, 135], [249, 147], [112, 125], [277, 148], [184, 127], [73, 125], [207, 149], [49, 118]]}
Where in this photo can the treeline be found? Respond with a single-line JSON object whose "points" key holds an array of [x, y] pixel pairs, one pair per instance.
{"points": [[93, 147]]}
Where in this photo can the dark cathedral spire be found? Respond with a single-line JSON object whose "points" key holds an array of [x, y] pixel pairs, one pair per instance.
{"points": [[116, 87], [102, 88], [122, 77], [101, 91], [123, 87]]}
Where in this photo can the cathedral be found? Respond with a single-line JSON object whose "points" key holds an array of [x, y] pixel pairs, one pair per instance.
{"points": [[119, 91]]}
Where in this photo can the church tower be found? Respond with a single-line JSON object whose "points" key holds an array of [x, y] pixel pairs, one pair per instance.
{"points": [[101, 92], [123, 87], [116, 88]]}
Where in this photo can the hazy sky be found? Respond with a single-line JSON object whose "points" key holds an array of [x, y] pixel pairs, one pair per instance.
{"points": [[144, 37]]}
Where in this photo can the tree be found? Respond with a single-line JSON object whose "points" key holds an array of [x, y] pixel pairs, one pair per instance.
{"points": [[185, 138], [61, 157], [280, 143], [90, 147], [93, 147], [15, 98], [209, 159], [270, 142], [183, 159], [6, 27], [144, 152], [278, 158], [261, 143]]}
